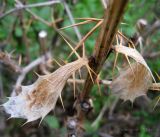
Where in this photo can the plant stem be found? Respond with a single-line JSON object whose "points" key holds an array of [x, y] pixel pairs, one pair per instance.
{"points": [[112, 17]]}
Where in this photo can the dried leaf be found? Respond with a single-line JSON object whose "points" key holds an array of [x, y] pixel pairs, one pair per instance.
{"points": [[37, 100], [132, 82], [133, 53]]}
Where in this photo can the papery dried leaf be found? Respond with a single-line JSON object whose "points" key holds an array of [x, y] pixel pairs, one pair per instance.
{"points": [[132, 82], [37, 100], [133, 53]]}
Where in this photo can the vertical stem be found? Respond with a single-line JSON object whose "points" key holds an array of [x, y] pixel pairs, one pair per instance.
{"points": [[112, 17]]}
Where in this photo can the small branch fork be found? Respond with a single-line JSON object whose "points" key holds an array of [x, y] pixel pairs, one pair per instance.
{"points": [[42, 4], [6, 59], [19, 6], [22, 71]]}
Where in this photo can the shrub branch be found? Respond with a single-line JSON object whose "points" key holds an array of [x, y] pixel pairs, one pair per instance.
{"points": [[103, 44]]}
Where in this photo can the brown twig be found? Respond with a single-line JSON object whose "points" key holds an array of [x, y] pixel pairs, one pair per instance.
{"points": [[152, 29], [152, 55], [25, 39], [69, 13], [82, 81], [154, 86], [5, 59], [42, 4], [52, 24], [109, 27]]}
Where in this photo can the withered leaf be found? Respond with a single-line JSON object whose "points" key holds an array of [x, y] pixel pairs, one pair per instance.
{"points": [[37, 100], [132, 82], [133, 53]]}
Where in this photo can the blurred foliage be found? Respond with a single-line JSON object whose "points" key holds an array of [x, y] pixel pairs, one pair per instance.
{"points": [[52, 121]]}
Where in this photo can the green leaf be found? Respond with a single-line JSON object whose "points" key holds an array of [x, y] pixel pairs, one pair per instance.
{"points": [[18, 32], [3, 33], [144, 132], [52, 122]]}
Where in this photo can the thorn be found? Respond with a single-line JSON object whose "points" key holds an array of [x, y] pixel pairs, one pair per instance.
{"points": [[57, 62], [41, 121], [25, 123], [86, 36], [73, 50], [84, 52], [153, 77], [119, 69], [90, 73], [117, 40], [93, 19], [156, 103], [115, 62], [99, 88], [131, 100], [65, 62], [121, 41], [62, 102], [9, 118], [77, 24], [123, 101], [126, 39], [74, 85], [93, 71], [8, 99], [158, 76], [123, 23], [37, 74], [129, 64]]}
